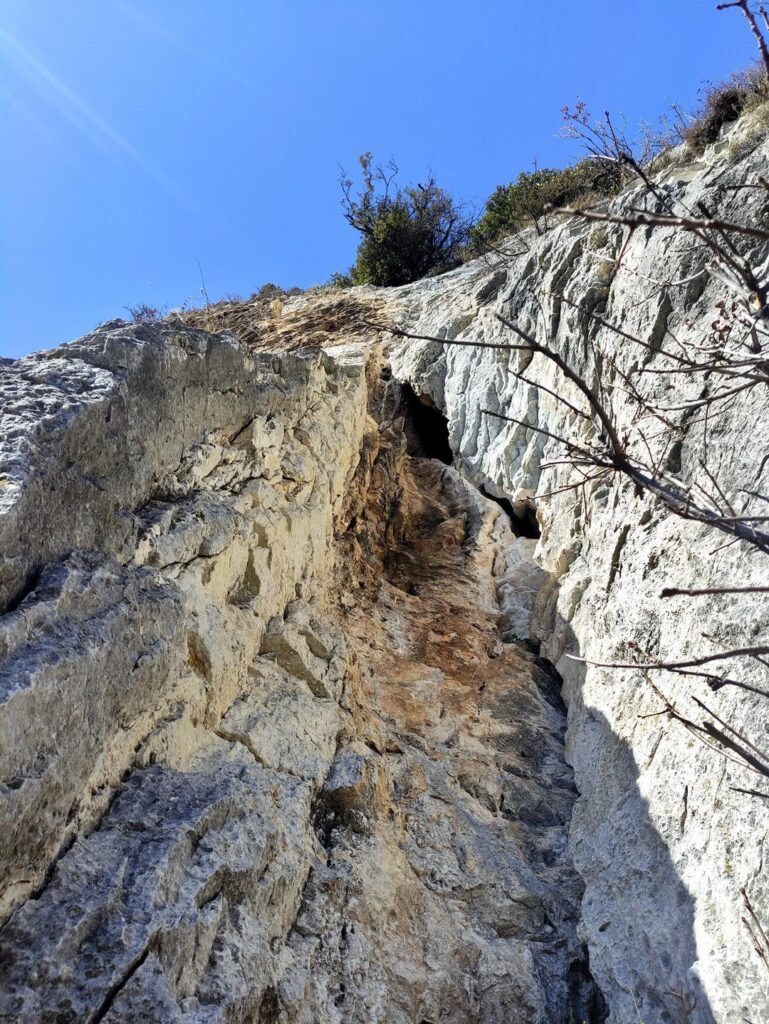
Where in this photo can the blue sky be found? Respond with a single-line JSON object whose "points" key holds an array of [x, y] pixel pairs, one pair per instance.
{"points": [[139, 136]]}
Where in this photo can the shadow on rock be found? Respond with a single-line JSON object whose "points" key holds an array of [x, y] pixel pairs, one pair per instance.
{"points": [[637, 914]]}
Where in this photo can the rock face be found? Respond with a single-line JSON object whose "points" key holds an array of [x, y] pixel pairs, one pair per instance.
{"points": [[661, 835], [288, 728], [264, 754]]}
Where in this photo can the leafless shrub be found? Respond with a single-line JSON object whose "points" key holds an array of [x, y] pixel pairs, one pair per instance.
{"points": [[752, 18], [141, 313], [725, 103]]}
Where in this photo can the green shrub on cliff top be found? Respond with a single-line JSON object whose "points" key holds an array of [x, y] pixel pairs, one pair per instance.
{"points": [[527, 200], [406, 232]]}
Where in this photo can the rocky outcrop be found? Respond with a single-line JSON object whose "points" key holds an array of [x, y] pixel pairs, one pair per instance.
{"points": [[265, 755], [158, 773], [459, 901], [661, 834], [290, 730]]}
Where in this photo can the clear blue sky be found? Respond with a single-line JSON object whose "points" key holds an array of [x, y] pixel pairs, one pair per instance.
{"points": [[137, 136]]}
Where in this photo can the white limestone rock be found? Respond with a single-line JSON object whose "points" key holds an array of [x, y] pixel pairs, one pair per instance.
{"points": [[264, 755], [660, 836]]}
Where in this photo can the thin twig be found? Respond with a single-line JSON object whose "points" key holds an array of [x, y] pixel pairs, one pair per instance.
{"points": [[703, 591]]}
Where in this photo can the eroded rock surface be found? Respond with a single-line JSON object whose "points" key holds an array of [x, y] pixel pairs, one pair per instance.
{"points": [[266, 756], [278, 740], [661, 835], [448, 891]]}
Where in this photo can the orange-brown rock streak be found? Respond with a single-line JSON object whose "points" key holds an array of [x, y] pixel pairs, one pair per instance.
{"points": [[447, 893]]}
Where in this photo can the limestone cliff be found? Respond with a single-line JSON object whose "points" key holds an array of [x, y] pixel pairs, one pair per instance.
{"points": [[288, 727], [661, 836], [265, 756]]}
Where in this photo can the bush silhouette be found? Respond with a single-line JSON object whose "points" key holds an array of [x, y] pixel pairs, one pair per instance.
{"points": [[407, 232]]}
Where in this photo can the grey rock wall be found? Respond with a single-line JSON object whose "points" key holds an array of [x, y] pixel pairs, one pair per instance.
{"points": [[264, 755], [660, 835], [169, 499], [275, 745]]}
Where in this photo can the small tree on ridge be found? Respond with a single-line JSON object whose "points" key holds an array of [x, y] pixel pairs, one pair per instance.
{"points": [[407, 232]]}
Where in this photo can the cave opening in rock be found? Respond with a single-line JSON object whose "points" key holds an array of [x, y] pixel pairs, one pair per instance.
{"points": [[524, 522], [586, 1000], [426, 428]]}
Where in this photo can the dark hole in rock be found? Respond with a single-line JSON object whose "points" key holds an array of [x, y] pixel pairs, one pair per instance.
{"points": [[523, 523], [549, 683], [673, 462], [269, 1008], [586, 1001], [28, 587], [426, 428]]}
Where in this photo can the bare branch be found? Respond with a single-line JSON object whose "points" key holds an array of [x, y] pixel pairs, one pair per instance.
{"points": [[758, 927], [643, 219], [681, 592], [587, 391], [754, 28], [540, 430], [740, 652]]}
